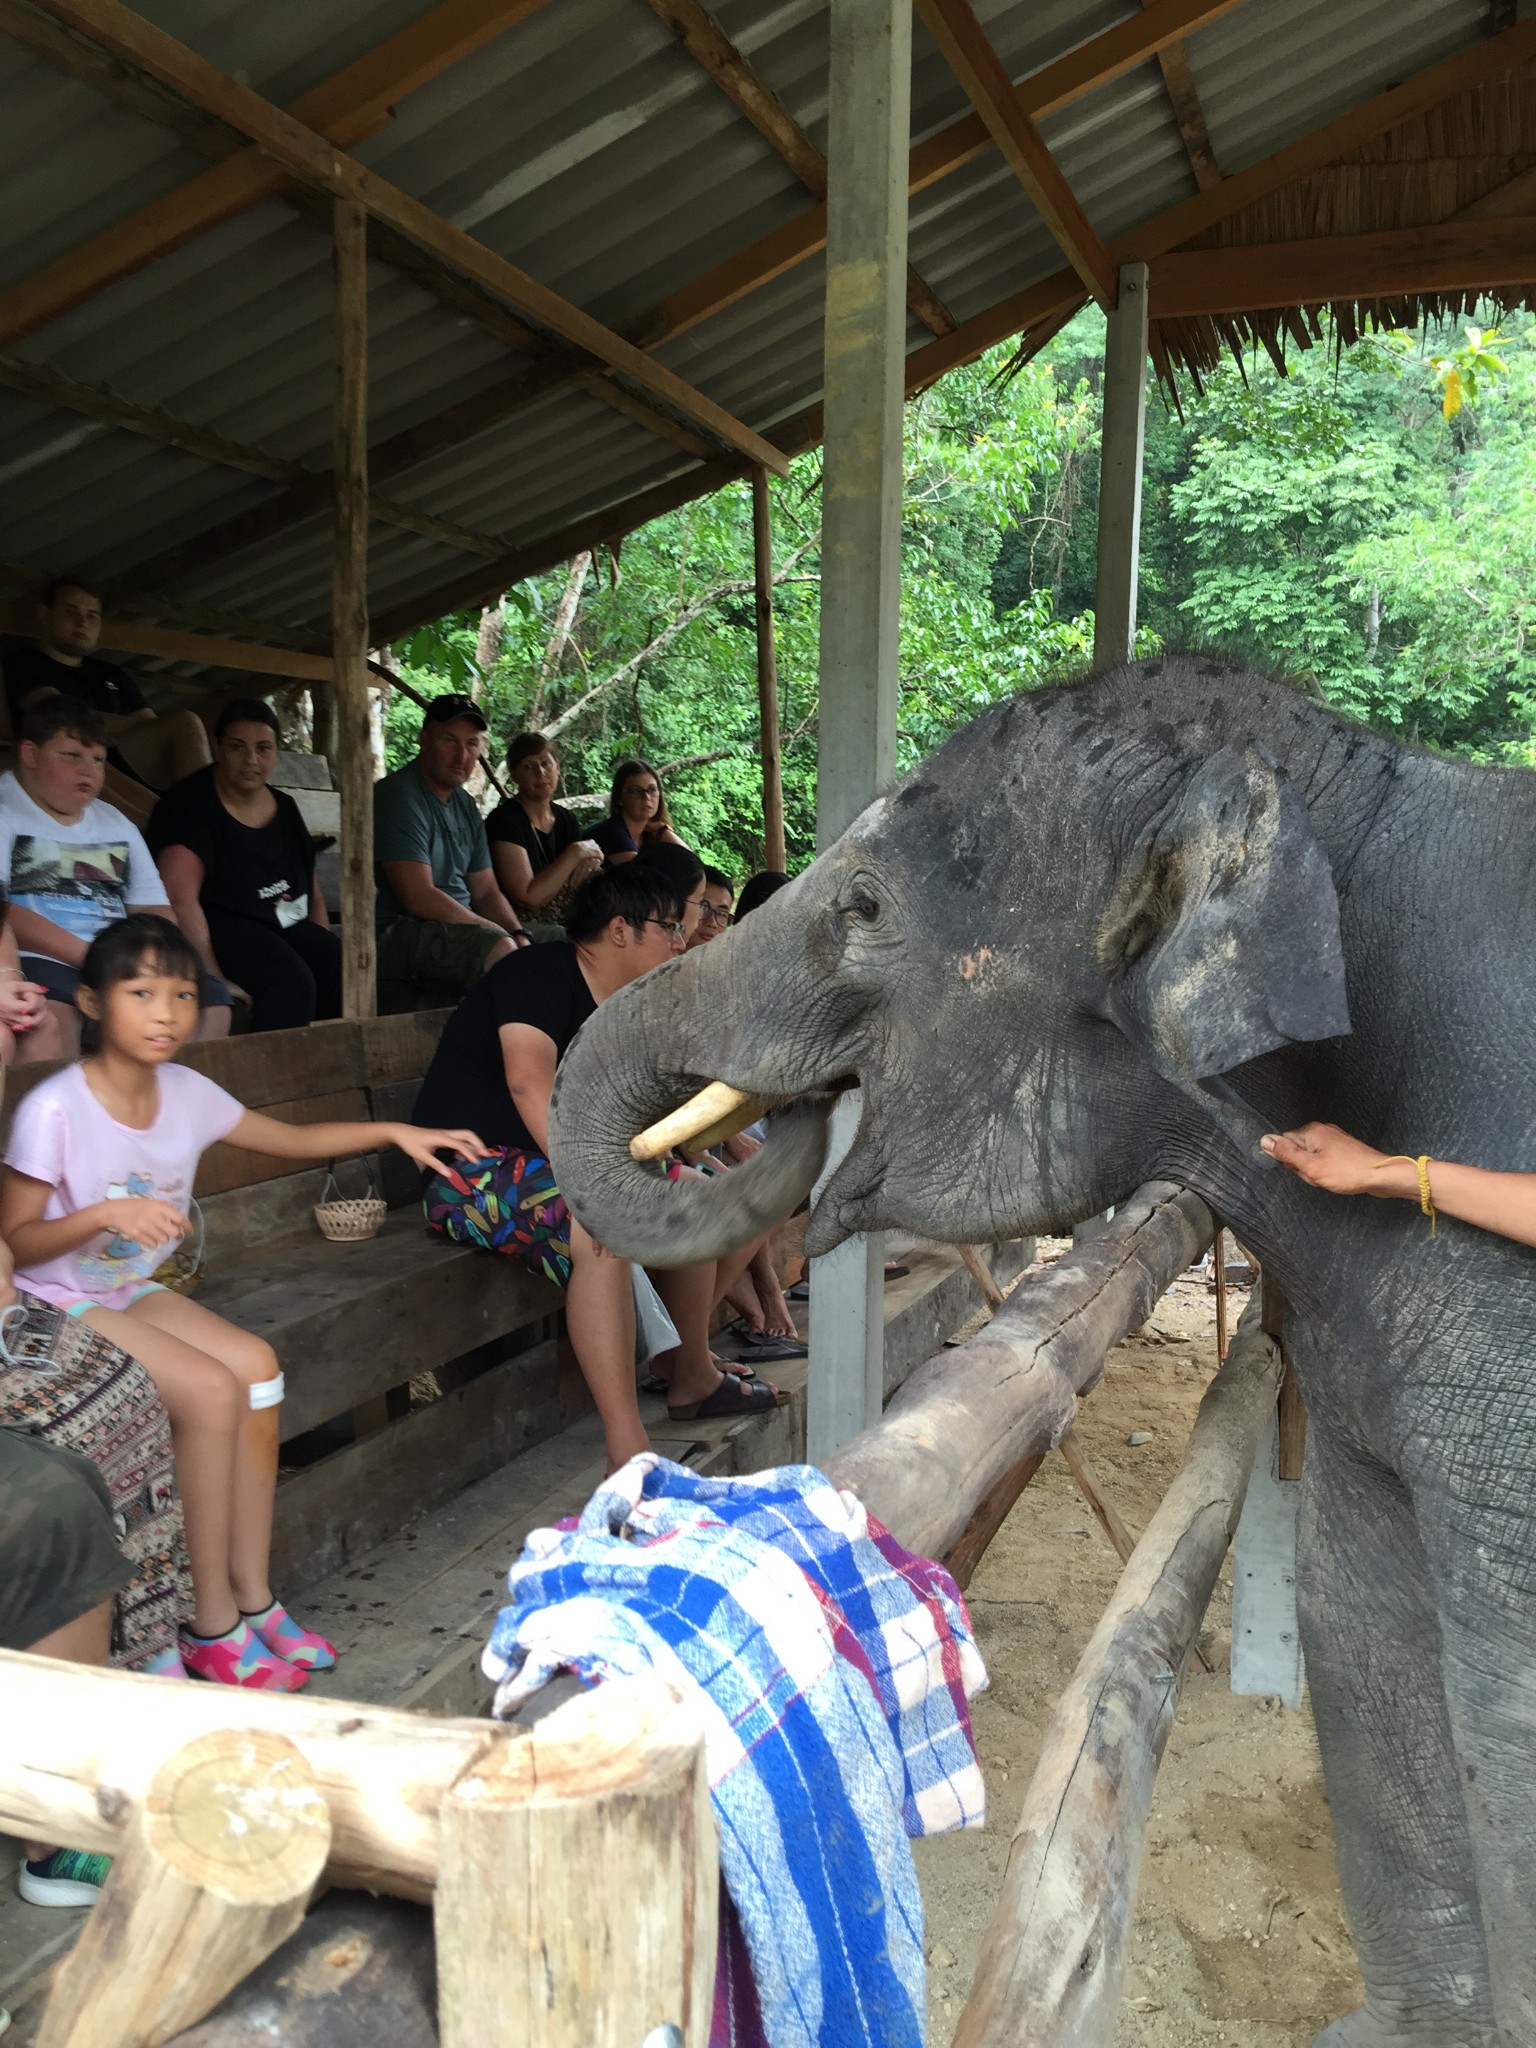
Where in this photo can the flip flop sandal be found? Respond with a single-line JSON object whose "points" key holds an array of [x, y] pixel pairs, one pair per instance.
{"points": [[730, 1400], [770, 1348], [653, 1383]]}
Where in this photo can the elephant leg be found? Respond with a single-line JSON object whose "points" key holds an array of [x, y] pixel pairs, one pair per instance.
{"points": [[1371, 1634], [1488, 1620]]}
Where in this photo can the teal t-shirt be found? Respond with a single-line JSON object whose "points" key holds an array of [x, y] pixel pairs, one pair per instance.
{"points": [[410, 822]]}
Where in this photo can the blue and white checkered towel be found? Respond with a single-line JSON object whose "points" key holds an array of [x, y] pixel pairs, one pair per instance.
{"points": [[832, 1673]]}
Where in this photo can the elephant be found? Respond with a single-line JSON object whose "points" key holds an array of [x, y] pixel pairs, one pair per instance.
{"points": [[1112, 932]]}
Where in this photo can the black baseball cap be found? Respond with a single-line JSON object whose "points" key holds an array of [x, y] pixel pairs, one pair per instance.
{"points": [[442, 709]]}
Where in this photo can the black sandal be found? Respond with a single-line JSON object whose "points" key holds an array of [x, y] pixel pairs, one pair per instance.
{"points": [[731, 1399]]}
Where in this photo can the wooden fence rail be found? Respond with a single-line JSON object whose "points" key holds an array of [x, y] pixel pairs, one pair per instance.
{"points": [[1053, 1960]]}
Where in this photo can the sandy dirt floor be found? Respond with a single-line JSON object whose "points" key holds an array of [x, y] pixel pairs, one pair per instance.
{"points": [[1239, 1935]]}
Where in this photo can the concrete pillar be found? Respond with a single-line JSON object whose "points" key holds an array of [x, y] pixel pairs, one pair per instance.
{"points": [[866, 327], [1125, 420]]}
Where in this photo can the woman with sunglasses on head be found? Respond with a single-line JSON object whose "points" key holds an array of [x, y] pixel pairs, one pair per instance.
{"points": [[637, 813]]}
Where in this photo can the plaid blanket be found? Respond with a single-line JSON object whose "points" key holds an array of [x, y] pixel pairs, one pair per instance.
{"points": [[832, 1670]]}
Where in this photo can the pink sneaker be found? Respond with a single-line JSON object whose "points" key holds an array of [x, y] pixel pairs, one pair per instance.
{"points": [[240, 1658], [290, 1640]]}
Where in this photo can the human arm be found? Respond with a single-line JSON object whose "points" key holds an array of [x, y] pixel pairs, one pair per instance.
{"points": [[1326, 1157], [115, 722], [257, 1133], [529, 891], [35, 1239], [528, 1059], [493, 908], [21, 1001], [38, 934], [182, 873], [419, 896]]}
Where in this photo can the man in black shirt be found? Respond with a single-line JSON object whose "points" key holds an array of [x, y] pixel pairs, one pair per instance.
{"points": [[495, 1064], [64, 663]]}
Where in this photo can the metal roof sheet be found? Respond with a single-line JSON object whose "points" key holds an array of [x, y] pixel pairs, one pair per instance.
{"points": [[585, 145]]}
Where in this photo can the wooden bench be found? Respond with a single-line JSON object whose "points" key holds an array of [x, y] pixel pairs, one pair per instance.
{"points": [[354, 1325]]}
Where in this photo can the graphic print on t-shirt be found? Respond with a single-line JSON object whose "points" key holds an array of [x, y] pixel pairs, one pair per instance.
{"points": [[80, 888], [123, 1261], [291, 908]]}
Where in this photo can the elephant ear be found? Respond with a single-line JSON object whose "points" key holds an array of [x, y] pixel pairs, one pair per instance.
{"points": [[1221, 940]]}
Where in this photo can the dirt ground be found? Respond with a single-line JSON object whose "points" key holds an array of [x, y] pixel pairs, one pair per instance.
{"points": [[1239, 1934]]}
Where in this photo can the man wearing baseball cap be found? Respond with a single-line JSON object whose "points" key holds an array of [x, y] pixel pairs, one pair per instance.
{"points": [[442, 918]]}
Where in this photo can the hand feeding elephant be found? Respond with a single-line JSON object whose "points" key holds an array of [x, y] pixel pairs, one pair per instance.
{"points": [[1106, 935]]}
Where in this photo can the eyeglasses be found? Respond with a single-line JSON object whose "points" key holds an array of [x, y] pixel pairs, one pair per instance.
{"points": [[714, 913], [640, 789], [669, 925]]}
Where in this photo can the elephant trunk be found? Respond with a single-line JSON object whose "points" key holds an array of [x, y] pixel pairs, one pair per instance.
{"points": [[631, 1065]]}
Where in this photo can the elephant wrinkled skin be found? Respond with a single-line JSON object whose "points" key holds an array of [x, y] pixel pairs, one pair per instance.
{"points": [[1112, 933]]}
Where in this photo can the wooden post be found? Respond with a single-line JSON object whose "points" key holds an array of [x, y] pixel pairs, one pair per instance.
{"points": [[767, 675], [1120, 462], [1292, 1427], [353, 759], [979, 1271], [1053, 1960], [869, 100], [216, 1871], [1219, 1255], [578, 1881]]}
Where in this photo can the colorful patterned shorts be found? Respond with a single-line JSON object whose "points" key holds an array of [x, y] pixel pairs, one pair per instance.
{"points": [[507, 1202]]}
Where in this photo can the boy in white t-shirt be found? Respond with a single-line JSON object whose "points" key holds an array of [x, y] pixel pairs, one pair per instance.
{"points": [[73, 864]]}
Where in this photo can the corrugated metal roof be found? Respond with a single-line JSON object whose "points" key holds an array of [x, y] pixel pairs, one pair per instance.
{"points": [[586, 146]]}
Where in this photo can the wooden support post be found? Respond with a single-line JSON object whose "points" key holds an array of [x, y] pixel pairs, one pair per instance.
{"points": [[353, 757], [216, 1870], [578, 1881], [767, 675], [981, 1273], [1053, 1960], [1104, 1512], [1120, 460], [1219, 1268], [864, 350], [1292, 1426]]}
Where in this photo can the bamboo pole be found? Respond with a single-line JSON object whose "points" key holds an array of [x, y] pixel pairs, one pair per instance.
{"points": [[216, 1871], [578, 1881], [1053, 1959], [767, 675], [349, 611]]}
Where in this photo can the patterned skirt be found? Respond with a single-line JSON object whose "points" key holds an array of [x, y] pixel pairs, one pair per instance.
{"points": [[76, 1389], [507, 1202]]}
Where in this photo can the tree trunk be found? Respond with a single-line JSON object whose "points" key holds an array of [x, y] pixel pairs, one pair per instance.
{"points": [[559, 633], [488, 645]]}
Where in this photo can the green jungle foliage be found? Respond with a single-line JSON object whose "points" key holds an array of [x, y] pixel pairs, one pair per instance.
{"points": [[1366, 523]]}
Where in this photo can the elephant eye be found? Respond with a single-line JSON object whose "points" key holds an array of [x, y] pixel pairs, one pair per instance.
{"points": [[866, 907]]}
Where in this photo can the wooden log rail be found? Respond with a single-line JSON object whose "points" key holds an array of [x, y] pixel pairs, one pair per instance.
{"points": [[1053, 1960], [958, 1442]]}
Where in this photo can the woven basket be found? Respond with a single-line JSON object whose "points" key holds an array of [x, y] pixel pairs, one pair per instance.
{"points": [[184, 1268], [349, 1219]]}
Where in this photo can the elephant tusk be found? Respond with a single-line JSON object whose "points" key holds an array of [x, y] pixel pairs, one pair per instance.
{"points": [[716, 1112]]}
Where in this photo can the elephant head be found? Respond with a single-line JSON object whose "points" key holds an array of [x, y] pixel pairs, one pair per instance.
{"points": [[1038, 959]]}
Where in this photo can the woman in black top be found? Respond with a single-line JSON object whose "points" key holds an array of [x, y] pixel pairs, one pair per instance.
{"points": [[239, 867], [538, 848], [637, 813]]}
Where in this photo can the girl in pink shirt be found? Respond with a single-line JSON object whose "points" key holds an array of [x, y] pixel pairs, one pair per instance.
{"points": [[98, 1176]]}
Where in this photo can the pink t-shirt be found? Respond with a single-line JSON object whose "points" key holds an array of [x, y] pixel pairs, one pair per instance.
{"points": [[62, 1135]]}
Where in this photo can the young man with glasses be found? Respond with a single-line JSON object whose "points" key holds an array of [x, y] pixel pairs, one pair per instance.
{"points": [[715, 910]]}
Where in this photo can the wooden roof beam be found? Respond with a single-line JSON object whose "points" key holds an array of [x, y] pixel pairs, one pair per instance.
{"points": [[93, 401], [346, 109], [318, 164], [1183, 96], [1387, 263], [122, 636], [990, 90], [714, 53]]}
